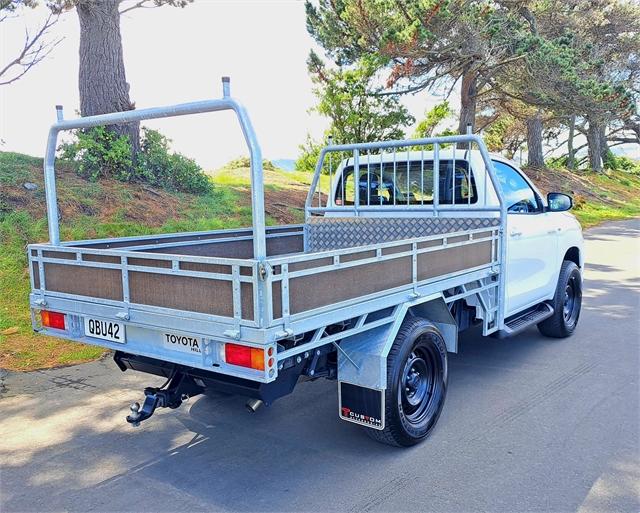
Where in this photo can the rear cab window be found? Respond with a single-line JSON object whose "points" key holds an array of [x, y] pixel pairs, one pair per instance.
{"points": [[406, 183]]}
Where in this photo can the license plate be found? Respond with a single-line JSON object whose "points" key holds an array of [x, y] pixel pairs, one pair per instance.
{"points": [[183, 343], [105, 330]]}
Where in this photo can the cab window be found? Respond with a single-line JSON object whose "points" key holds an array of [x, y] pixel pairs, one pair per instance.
{"points": [[520, 197], [407, 184]]}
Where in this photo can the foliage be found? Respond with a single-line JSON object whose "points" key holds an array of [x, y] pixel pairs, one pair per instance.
{"points": [[427, 43], [432, 118], [505, 133], [558, 60], [581, 63], [309, 153], [160, 167], [622, 163], [101, 153], [557, 162], [245, 162], [351, 98]]}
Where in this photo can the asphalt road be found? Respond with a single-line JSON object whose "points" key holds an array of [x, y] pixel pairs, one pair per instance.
{"points": [[530, 424]]}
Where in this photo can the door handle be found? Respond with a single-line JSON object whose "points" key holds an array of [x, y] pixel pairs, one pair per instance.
{"points": [[554, 231], [515, 233]]}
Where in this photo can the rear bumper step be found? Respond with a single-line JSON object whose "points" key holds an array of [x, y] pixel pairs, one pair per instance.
{"points": [[523, 320]]}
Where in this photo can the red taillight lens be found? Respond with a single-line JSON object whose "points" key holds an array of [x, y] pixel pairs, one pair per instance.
{"points": [[52, 319], [244, 356]]}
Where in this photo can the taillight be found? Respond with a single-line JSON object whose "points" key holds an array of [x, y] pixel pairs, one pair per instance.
{"points": [[52, 319], [244, 356]]}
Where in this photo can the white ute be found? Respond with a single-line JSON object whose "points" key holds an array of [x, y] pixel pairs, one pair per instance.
{"points": [[404, 245]]}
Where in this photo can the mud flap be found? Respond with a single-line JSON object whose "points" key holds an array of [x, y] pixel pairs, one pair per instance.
{"points": [[361, 405]]}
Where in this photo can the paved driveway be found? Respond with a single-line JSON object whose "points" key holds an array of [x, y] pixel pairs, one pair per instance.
{"points": [[530, 424]]}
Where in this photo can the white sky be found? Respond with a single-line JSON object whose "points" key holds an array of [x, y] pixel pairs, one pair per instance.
{"points": [[177, 55]]}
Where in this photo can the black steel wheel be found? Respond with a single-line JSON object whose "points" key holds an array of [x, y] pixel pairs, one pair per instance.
{"points": [[416, 384], [566, 303]]}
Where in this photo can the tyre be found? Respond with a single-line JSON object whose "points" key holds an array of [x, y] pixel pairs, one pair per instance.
{"points": [[566, 303], [416, 384]]}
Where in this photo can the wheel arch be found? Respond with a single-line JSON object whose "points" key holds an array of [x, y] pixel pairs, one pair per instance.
{"points": [[574, 255], [362, 358], [437, 313]]}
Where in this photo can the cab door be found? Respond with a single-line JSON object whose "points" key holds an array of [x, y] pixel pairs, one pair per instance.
{"points": [[531, 242]]}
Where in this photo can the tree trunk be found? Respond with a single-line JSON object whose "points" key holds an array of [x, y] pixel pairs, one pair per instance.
{"points": [[605, 152], [102, 81], [571, 155], [468, 101], [535, 156], [595, 147]]}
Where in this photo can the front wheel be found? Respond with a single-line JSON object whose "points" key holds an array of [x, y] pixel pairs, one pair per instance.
{"points": [[416, 384], [566, 303]]}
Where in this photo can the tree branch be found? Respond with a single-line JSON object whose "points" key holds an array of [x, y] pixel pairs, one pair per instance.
{"points": [[150, 4], [34, 50], [137, 5]]}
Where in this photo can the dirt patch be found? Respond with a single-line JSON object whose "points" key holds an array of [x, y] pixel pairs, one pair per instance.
{"points": [[286, 206], [107, 199], [145, 205]]}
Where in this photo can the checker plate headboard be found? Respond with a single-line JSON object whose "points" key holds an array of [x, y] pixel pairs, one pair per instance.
{"points": [[324, 233]]}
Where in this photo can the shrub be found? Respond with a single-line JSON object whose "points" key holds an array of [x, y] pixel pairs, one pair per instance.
{"points": [[557, 162], [158, 166], [621, 163], [100, 153], [243, 162], [309, 154]]}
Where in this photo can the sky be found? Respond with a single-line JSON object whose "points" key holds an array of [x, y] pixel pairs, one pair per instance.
{"points": [[178, 55]]}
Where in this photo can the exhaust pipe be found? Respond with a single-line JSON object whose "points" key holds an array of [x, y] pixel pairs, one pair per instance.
{"points": [[253, 405]]}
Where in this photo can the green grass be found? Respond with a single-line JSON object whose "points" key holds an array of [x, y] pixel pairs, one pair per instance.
{"points": [[274, 179]]}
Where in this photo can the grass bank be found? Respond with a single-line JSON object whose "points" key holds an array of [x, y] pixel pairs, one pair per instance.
{"points": [[598, 197]]}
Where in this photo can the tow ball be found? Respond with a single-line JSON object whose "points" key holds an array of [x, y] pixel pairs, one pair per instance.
{"points": [[180, 387]]}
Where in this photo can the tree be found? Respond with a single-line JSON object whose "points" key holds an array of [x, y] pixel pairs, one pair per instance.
{"points": [[612, 42], [102, 79], [350, 98], [36, 45], [580, 67], [507, 123], [425, 42]]}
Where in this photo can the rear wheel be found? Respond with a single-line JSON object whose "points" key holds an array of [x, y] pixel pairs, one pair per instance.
{"points": [[566, 303], [416, 384]]}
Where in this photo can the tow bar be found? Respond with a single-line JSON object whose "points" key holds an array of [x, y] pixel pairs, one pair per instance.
{"points": [[180, 387]]}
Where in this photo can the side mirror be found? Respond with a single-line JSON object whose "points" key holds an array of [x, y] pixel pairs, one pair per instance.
{"points": [[559, 202]]}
